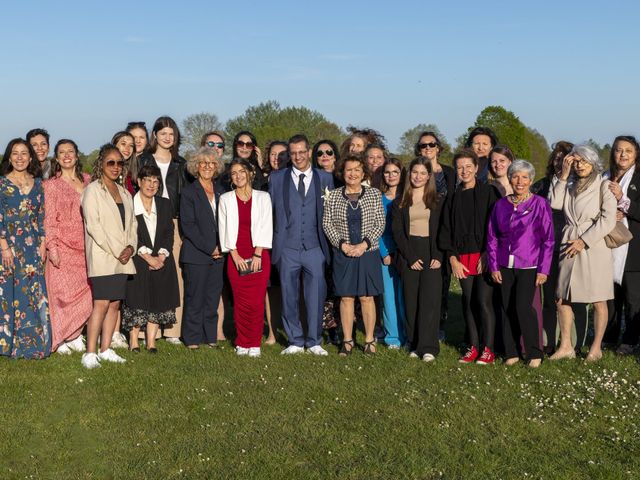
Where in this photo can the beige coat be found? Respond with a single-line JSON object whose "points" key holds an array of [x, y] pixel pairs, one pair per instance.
{"points": [[587, 277], [104, 237]]}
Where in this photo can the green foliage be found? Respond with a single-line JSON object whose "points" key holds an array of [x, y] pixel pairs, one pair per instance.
{"points": [[88, 160], [604, 152], [194, 127], [409, 138], [508, 127], [539, 150], [268, 122]]}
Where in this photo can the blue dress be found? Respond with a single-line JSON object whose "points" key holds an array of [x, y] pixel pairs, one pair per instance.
{"points": [[357, 276], [25, 330]]}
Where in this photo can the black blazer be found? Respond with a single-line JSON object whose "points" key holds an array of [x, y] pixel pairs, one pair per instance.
{"points": [[199, 226], [177, 178], [450, 177], [405, 256], [633, 217]]}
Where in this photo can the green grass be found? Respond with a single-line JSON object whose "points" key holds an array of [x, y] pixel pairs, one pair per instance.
{"points": [[209, 414]]}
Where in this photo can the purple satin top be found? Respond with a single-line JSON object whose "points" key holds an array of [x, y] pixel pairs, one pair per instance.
{"points": [[521, 237]]}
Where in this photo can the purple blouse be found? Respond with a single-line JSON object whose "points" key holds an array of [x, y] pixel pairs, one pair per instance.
{"points": [[521, 237]]}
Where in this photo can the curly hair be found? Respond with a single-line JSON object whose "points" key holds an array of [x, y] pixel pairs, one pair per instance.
{"points": [[98, 169]]}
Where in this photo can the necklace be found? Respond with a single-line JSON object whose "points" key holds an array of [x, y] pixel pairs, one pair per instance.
{"points": [[248, 195], [23, 187], [517, 202]]}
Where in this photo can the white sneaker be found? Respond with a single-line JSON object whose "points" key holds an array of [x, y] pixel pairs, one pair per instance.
{"points": [[254, 352], [393, 347], [427, 357], [292, 350], [90, 360], [118, 340], [64, 349], [318, 350], [111, 356], [77, 345], [413, 354], [241, 351], [173, 340]]}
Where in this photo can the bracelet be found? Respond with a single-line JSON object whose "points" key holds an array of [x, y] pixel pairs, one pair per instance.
{"points": [[257, 256]]}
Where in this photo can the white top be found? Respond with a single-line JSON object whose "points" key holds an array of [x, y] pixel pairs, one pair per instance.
{"points": [[308, 174], [261, 220], [213, 206], [150, 220], [164, 168]]}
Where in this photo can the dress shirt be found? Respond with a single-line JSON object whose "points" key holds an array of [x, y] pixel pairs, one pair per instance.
{"points": [[150, 220], [308, 173]]}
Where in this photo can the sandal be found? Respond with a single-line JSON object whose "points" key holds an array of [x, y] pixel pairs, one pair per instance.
{"points": [[370, 347], [344, 351]]}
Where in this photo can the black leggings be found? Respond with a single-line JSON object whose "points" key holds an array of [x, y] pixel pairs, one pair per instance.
{"points": [[477, 310], [519, 317]]}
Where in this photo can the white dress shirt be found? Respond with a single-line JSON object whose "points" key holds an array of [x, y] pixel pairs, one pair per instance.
{"points": [[151, 221], [295, 175]]}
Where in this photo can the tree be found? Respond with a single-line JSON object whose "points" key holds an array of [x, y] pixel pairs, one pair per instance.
{"points": [[268, 122], [409, 138], [195, 126], [539, 149]]}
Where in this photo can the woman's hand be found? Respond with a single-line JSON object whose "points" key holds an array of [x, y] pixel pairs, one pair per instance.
{"points": [[125, 255], [435, 264], [54, 258], [216, 255], [386, 260], [540, 279], [42, 252], [458, 270], [258, 155], [482, 263], [496, 277], [567, 163], [359, 249], [616, 189], [574, 247], [256, 264], [619, 215], [239, 262], [418, 265], [7, 258], [154, 262]]}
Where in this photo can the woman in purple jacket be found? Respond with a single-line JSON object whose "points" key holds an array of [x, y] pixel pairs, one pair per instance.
{"points": [[520, 248]]}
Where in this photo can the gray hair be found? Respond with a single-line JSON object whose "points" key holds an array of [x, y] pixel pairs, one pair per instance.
{"points": [[588, 153], [521, 166], [203, 154]]}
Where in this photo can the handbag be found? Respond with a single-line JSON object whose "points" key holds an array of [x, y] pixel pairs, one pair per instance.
{"points": [[618, 236]]}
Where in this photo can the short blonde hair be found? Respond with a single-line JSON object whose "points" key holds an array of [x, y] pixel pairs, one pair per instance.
{"points": [[200, 155]]}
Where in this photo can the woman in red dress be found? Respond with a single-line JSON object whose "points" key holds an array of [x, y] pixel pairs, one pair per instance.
{"points": [[246, 230]]}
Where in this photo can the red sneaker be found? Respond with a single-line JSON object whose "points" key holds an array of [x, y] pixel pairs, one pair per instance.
{"points": [[470, 356], [487, 357]]}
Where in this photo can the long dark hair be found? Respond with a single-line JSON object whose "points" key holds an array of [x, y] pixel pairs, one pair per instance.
{"points": [[253, 158], [560, 150], [430, 197], [246, 164], [613, 166], [56, 169], [33, 168], [403, 171], [164, 122]]}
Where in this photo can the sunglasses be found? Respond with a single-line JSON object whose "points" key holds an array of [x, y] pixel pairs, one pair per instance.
{"points": [[215, 145], [113, 163], [240, 143], [428, 145], [136, 125], [328, 153]]}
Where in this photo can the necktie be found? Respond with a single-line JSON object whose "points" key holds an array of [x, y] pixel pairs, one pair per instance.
{"points": [[301, 185]]}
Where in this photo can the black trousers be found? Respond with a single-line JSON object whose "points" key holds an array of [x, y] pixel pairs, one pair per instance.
{"points": [[627, 301], [550, 309], [202, 289], [422, 297], [519, 317], [477, 310]]}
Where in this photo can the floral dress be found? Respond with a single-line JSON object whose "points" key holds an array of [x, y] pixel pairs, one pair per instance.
{"points": [[24, 315]]}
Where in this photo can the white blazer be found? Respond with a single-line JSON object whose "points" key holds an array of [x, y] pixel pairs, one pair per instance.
{"points": [[261, 220]]}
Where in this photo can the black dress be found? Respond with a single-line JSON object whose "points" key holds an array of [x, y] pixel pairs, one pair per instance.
{"points": [[152, 295]]}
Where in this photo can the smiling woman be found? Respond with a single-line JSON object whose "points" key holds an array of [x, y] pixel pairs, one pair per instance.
{"points": [[24, 315]]}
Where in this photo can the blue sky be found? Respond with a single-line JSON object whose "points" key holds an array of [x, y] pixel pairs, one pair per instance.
{"points": [[83, 69]]}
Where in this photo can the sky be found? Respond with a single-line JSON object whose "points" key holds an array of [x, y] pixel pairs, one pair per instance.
{"points": [[83, 69]]}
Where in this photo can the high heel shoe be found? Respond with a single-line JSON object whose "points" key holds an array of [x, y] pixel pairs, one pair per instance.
{"points": [[344, 351]]}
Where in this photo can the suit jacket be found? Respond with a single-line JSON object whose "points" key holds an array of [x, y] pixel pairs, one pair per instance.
{"points": [[278, 188], [105, 239], [400, 224], [198, 224], [261, 220], [177, 178], [632, 263]]}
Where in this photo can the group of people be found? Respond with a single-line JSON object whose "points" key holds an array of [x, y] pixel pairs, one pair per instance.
{"points": [[149, 241]]}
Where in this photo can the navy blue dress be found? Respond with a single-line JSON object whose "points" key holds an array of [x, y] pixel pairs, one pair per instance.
{"points": [[357, 276]]}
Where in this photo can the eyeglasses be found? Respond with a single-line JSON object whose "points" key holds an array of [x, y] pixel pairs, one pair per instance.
{"points": [[392, 173], [215, 145], [113, 163], [151, 180], [205, 164], [328, 153], [301, 153], [580, 161], [240, 143], [422, 146]]}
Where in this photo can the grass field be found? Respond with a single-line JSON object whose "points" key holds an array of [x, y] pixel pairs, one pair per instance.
{"points": [[209, 414]]}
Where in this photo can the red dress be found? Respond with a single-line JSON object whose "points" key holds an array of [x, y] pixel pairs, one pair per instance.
{"points": [[248, 291]]}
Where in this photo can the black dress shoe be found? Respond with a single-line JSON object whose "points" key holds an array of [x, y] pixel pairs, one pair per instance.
{"points": [[152, 350]]}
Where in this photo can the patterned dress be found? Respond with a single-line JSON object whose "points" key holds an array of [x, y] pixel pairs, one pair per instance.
{"points": [[24, 314], [68, 289]]}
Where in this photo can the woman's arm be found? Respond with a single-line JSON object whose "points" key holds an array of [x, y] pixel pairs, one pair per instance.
{"points": [[329, 219], [265, 222], [51, 221], [94, 223], [607, 219], [547, 239], [376, 229], [189, 224], [402, 242]]}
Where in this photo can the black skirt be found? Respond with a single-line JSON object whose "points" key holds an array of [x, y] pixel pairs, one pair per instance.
{"points": [[109, 287]]}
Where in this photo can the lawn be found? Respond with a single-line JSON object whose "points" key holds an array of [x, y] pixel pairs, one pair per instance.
{"points": [[209, 414]]}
